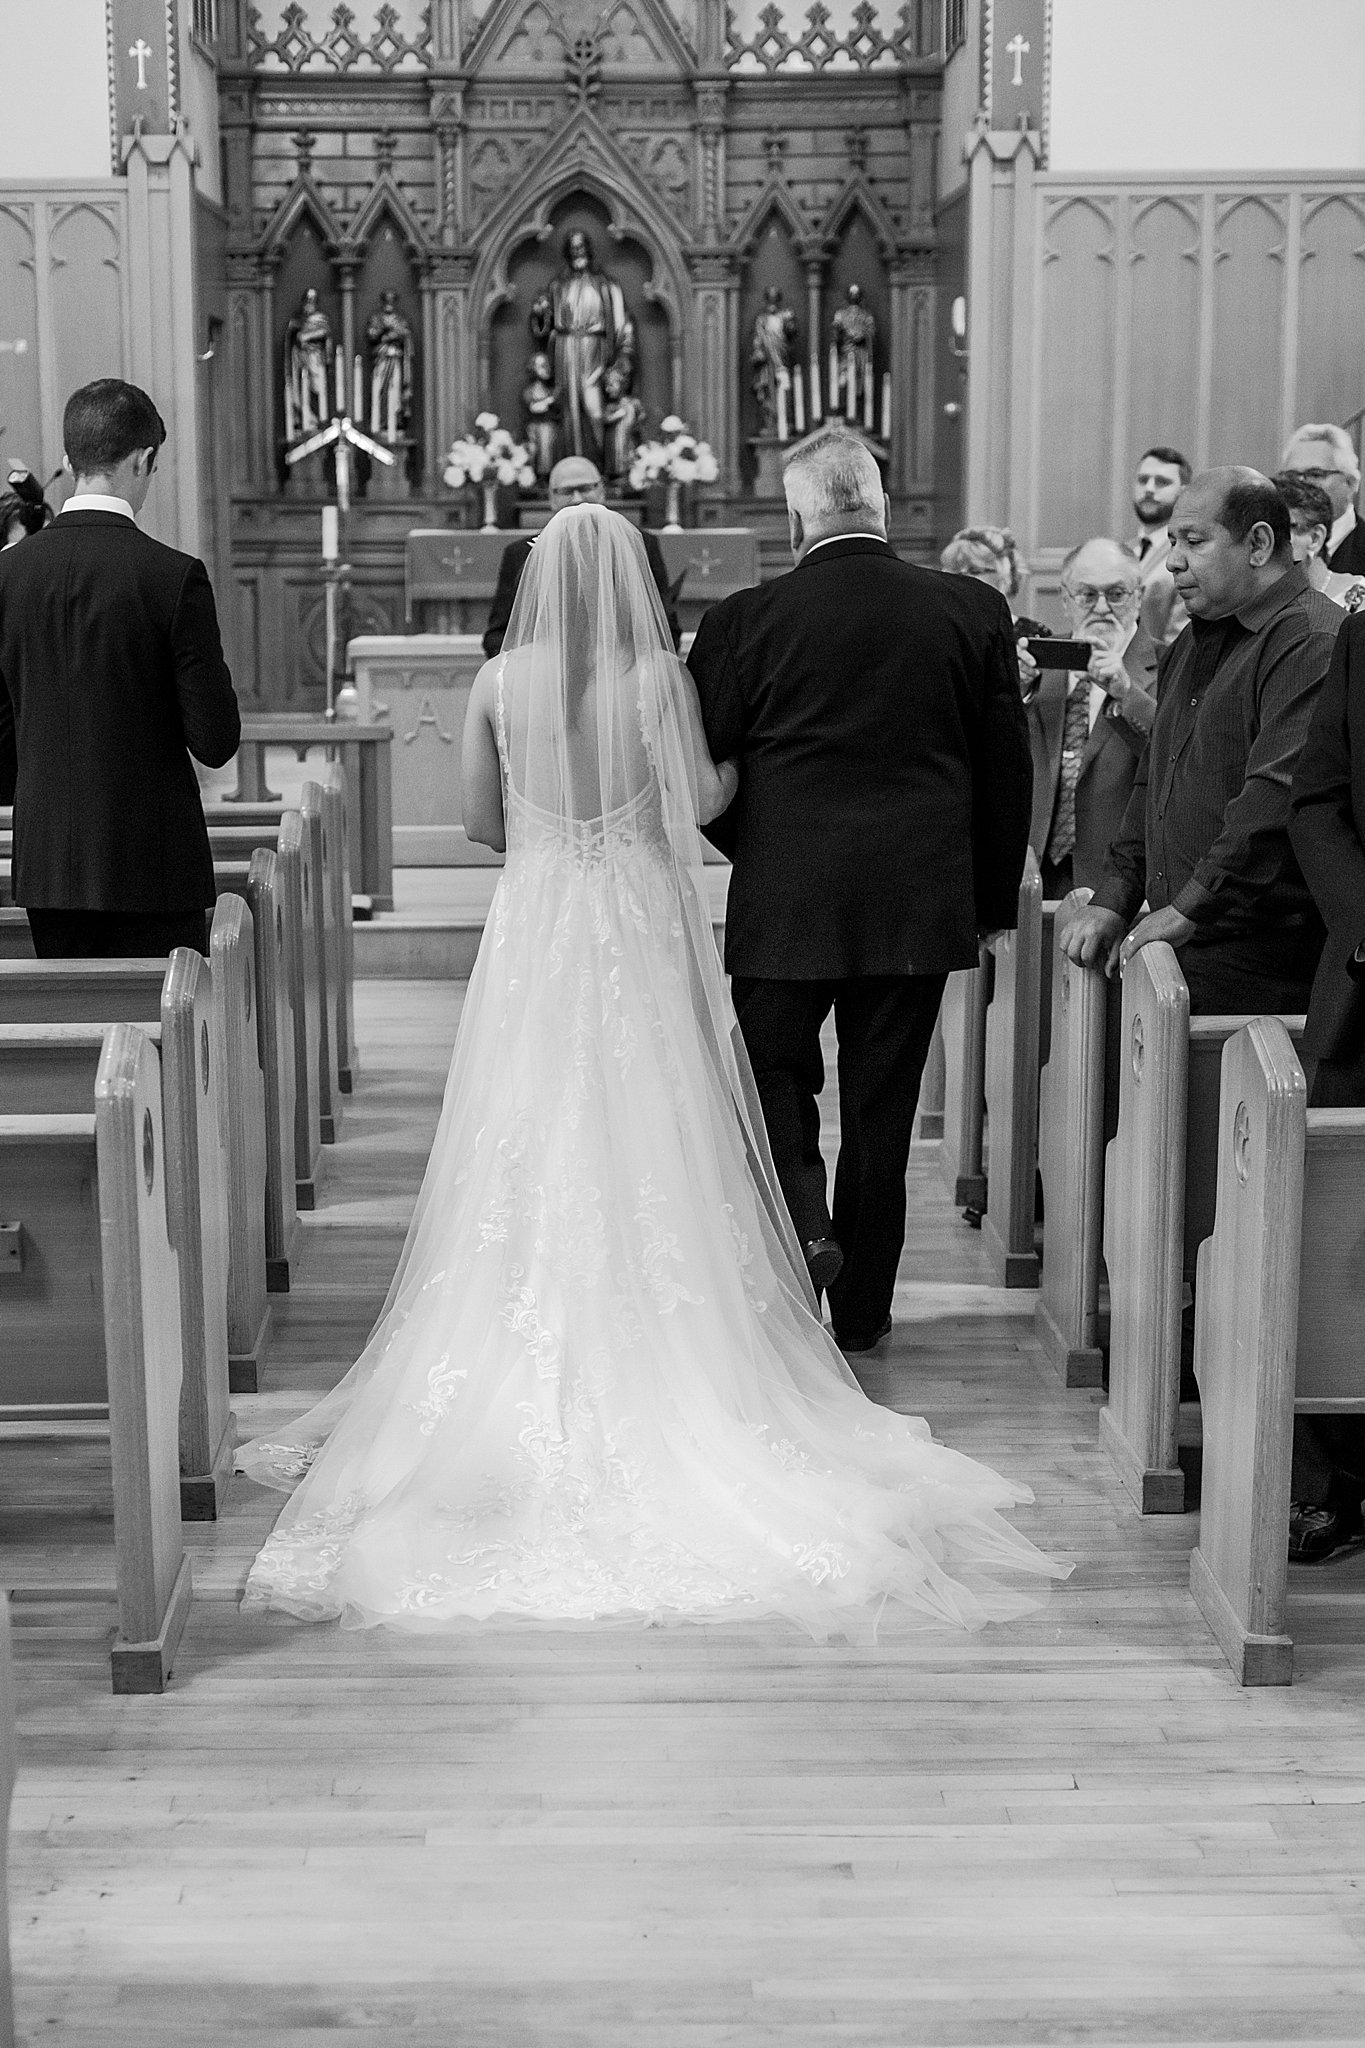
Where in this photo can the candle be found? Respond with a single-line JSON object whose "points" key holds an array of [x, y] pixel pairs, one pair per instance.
{"points": [[867, 396], [291, 424], [330, 548], [833, 391], [886, 405], [815, 406], [782, 405], [799, 399], [851, 389], [358, 385], [340, 362]]}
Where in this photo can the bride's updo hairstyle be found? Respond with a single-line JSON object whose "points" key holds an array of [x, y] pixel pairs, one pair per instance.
{"points": [[833, 479]]}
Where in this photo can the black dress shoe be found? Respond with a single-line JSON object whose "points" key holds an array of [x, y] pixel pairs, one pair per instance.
{"points": [[824, 1262], [854, 1343], [1317, 1533]]}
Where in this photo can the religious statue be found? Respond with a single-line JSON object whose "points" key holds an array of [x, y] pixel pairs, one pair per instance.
{"points": [[772, 353], [391, 358], [308, 356], [623, 415], [541, 409], [581, 323], [855, 333]]}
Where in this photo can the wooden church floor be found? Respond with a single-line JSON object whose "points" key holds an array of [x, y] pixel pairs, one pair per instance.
{"points": [[1077, 1829]]}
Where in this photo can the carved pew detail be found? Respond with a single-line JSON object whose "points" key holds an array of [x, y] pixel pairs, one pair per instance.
{"points": [[338, 879], [1012, 1045], [301, 960], [963, 1024], [275, 1046], [325, 936], [1071, 1162], [242, 1135]]}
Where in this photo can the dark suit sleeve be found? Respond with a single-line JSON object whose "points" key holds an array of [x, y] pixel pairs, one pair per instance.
{"points": [[659, 571], [208, 703], [500, 611], [1002, 787], [712, 664], [1322, 825], [9, 756]]}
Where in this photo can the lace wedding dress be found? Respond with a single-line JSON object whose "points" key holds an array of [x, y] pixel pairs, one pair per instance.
{"points": [[599, 1388]]}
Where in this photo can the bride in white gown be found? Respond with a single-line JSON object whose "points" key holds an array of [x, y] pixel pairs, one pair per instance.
{"points": [[600, 1388]]}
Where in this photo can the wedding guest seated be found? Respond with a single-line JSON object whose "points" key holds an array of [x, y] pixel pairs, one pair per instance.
{"points": [[1328, 831], [1205, 837], [1310, 517], [111, 676], [1088, 727], [1326, 455], [573, 481]]}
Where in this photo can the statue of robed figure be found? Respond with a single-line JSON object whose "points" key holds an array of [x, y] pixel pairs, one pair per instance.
{"points": [[580, 322], [391, 356], [307, 370]]}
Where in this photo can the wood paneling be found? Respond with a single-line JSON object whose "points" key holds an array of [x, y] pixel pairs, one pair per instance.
{"points": [[1076, 371], [1250, 236]]}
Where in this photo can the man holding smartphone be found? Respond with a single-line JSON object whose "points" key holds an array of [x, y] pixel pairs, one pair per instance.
{"points": [[1091, 701]]}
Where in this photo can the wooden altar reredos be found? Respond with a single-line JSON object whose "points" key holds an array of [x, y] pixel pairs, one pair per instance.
{"points": [[441, 153]]}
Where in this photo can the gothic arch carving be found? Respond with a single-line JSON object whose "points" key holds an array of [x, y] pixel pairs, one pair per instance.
{"points": [[775, 197], [386, 198], [508, 20], [858, 196], [302, 200]]}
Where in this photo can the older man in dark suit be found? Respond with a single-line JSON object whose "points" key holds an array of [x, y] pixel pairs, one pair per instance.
{"points": [[880, 827], [111, 676], [1328, 831], [1088, 727]]}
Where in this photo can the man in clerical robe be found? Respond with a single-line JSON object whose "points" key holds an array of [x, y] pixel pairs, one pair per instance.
{"points": [[581, 323]]}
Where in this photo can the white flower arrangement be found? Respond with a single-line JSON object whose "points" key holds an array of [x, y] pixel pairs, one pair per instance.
{"points": [[489, 452], [678, 459]]}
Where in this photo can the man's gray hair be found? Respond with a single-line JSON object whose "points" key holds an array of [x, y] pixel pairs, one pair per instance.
{"points": [[831, 476], [1103, 540], [1337, 438]]}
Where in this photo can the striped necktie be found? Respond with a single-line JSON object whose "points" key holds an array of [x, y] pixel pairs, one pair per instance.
{"points": [[1075, 733]]}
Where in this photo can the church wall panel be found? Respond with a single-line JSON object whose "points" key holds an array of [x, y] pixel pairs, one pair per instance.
{"points": [[1331, 322], [1163, 263], [21, 398], [1076, 316], [1248, 337]]}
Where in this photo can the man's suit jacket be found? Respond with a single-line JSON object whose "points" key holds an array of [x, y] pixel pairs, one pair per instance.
{"points": [[1327, 829], [514, 559], [884, 773], [1108, 764], [1162, 616], [111, 676], [1349, 558]]}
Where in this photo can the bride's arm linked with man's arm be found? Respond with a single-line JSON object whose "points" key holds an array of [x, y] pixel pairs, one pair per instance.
{"points": [[717, 781], [480, 768]]}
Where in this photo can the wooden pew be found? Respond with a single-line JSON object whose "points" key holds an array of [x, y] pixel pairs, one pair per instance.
{"points": [[1280, 1305], [1011, 1084], [275, 1046], [90, 1195], [52, 1077], [9, 1764], [242, 1123], [301, 952], [962, 1020], [315, 858], [1071, 1162], [337, 867], [1159, 1196]]}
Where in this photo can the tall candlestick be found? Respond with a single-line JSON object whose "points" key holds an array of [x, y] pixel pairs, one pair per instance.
{"points": [[291, 423], [851, 390], [886, 406], [832, 393], [867, 397], [799, 399], [358, 387], [816, 411], [340, 362], [782, 405], [330, 545]]}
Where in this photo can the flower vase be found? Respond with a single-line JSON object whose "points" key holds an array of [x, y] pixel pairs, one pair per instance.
{"points": [[673, 507], [490, 505]]}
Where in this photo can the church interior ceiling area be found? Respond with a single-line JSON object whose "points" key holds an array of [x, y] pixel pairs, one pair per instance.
{"points": [[586, 220]]}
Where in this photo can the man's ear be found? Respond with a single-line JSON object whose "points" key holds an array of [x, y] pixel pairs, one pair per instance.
{"points": [[886, 510], [66, 463], [796, 529], [1262, 544]]}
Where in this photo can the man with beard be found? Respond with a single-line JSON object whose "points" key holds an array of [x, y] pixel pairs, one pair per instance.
{"points": [[1162, 474]]}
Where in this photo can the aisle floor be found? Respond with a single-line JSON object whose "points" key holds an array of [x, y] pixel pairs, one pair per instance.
{"points": [[1077, 1829]]}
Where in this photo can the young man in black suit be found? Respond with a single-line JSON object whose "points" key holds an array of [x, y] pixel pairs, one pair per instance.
{"points": [[879, 829], [573, 481], [111, 676]]}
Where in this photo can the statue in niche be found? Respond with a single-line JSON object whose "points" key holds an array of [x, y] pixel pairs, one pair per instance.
{"points": [[580, 322], [392, 352], [855, 334], [623, 416], [308, 353], [541, 410], [772, 353]]}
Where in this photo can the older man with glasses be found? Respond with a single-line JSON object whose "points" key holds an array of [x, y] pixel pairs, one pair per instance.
{"points": [[1087, 727], [1325, 455]]}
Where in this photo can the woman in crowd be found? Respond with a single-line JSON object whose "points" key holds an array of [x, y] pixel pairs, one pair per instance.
{"points": [[1310, 518], [991, 554]]}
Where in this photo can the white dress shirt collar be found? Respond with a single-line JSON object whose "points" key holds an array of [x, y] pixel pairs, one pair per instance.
{"points": [[96, 501], [831, 539], [1340, 528]]}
